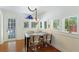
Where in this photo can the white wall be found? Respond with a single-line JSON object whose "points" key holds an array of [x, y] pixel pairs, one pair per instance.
{"points": [[61, 40], [66, 42], [20, 30], [19, 24], [1, 27]]}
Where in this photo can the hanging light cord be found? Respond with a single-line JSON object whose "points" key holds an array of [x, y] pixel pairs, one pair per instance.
{"points": [[33, 11]]}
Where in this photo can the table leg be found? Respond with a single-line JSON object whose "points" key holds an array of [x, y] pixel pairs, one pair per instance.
{"points": [[25, 43]]}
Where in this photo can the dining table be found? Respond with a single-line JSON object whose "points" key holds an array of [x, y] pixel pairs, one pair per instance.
{"points": [[28, 37]]}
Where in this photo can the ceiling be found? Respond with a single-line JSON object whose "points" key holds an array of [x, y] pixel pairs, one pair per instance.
{"points": [[20, 9], [24, 9], [44, 11]]}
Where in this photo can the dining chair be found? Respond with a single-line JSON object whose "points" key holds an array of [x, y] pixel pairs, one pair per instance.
{"points": [[49, 39], [34, 42]]}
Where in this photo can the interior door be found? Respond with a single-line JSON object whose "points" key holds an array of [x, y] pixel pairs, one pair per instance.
{"points": [[11, 29], [11, 35]]}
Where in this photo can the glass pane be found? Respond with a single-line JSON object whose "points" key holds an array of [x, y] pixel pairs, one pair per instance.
{"points": [[71, 24], [26, 24], [56, 24], [11, 28], [33, 24], [40, 24], [45, 24]]}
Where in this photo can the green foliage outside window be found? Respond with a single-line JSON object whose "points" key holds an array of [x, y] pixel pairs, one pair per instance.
{"points": [[56, 23], [70, 23]]}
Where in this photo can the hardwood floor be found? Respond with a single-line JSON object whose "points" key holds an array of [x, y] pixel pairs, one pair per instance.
{"points": [[19, 45], [47, 48], [4, 47]]}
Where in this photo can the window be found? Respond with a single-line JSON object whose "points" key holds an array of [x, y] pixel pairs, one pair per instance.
{"points": [[11, 28], [40, 24], [26, 24], [56, 24], [71, 24], [45, 24], [33, 25]]}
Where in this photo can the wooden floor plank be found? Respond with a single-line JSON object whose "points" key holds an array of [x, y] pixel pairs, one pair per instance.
{"points": [[20, 47]]}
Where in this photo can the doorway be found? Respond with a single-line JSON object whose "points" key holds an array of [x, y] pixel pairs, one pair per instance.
{"points": [[11, 35]]}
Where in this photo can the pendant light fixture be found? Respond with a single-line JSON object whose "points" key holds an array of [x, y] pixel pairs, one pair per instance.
{"points": [[33, 10]]}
